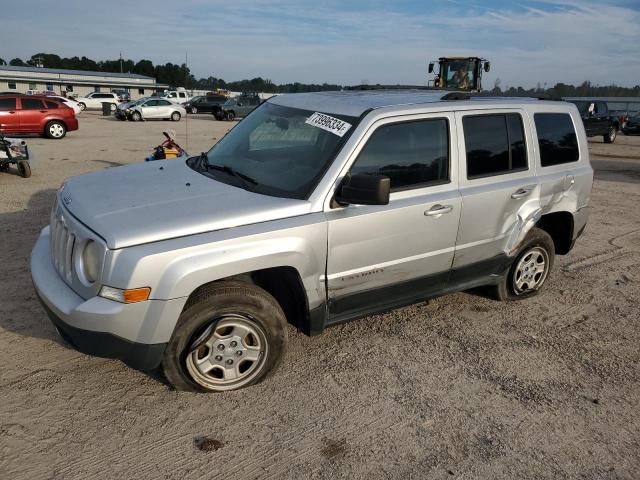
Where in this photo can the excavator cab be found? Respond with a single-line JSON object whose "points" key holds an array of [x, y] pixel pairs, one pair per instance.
{"points": [[459, 73]]}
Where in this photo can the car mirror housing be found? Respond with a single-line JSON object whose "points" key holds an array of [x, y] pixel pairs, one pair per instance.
{"points": [[364, 189]]}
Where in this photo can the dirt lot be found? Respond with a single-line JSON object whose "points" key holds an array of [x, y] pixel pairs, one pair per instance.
{"points": [[462, 387]]}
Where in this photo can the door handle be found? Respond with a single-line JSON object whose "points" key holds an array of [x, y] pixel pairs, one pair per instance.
{"points": [[438, 209], [12, 112], [44, 111], [523, 192]]}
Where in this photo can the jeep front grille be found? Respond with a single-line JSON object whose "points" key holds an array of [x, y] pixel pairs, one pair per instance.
{"points": [[62, 243]]}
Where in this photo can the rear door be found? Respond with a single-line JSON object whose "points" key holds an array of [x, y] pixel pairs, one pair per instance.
{"points": [[150, 109], [31, 112], [164, 109], [499, 189], [381, 256], [9, 118]]}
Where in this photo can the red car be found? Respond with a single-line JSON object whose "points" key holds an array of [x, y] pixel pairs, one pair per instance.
{"points": [[35, 114]]}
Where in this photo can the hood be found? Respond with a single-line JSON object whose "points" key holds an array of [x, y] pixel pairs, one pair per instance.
{"points": [[153, 201]]}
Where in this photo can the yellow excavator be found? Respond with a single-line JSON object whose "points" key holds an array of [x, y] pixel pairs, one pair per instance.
{"points": [[459, 73]]}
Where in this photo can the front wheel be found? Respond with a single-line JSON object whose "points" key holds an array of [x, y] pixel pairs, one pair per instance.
{"points": [[55, 130], [194, 110], [112, 108], [529, 270], [175, 116], [24, 169], [229, 336], [82, 106], [231, 115], [136, 116], [611, 135]]}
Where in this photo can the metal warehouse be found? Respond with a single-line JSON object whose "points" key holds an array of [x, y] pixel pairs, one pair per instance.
{"points": [[78, 82]]}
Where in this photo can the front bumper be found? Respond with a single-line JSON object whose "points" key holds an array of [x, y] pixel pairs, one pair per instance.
{"points": [[135, 333]]}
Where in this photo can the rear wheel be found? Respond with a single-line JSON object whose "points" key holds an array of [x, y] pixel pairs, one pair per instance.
{"points": [[529, 270], [611, 135], [175, 116], [24, 169], [231, 335], [55, 130]]}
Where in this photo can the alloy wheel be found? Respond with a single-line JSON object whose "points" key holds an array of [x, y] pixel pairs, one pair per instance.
{"points": [[531, 271], [229, 353]]}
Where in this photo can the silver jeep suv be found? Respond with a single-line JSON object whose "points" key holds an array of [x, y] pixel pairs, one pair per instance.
{"points": [[316, 209]]}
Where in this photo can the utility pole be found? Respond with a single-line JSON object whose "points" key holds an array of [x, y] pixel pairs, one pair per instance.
{"points": [[120, 62]]}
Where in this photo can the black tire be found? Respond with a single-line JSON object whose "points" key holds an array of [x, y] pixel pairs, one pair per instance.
{"points": [[202, 315], [55, 129], [112, 108], [175, 117], [194, 110], [219, 117], [231, 115], [24, 169], [136, 116], [536, 240], [4, 167], [82, 106], [610, 136]]}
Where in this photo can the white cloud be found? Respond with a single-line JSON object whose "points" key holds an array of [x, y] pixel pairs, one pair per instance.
{"points": [[562, 41]]}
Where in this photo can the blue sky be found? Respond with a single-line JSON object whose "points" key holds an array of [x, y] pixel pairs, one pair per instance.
{"points": [[342, 42]]}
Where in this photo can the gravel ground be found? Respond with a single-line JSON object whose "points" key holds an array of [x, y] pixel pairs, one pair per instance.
{"points": [[461, 387]]}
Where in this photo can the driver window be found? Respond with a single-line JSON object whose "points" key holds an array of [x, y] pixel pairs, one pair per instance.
{"points": [[412, 154]]}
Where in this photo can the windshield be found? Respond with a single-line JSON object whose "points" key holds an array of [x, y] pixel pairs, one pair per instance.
{"points": [[459, 74], [583, 107], [277, 151]]}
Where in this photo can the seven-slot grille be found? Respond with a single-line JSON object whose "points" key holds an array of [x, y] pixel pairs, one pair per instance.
{"points": [[62, 243]]}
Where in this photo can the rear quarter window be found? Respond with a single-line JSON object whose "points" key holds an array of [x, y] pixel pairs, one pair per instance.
{"points": [[50, 104], [557, 139]]}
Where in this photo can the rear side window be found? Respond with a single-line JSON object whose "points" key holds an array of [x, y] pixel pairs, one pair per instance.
{"points": [[411, 154], [50, 104], [557, 139], [32, 104], [7, 104], [495, 144]]}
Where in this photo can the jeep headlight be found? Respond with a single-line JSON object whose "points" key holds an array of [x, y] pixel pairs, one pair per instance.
{"points": [[91, 260]]}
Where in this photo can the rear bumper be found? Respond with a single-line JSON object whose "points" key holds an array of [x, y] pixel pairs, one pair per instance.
{"points": [[72, 124]]}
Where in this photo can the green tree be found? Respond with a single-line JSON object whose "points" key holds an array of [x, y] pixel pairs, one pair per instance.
{"points": [[17, 62], [2, 62]]}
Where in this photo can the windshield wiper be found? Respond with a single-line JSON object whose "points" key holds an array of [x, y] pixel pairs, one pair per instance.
{"points": [[227, 169]]}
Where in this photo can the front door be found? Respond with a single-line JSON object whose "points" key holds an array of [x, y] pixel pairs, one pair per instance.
{"points": [[9, 118], [499, 190], [380, 257]]}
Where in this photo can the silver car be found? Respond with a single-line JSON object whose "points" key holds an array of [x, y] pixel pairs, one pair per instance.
{"points": [[155, 109], [316, 209]]}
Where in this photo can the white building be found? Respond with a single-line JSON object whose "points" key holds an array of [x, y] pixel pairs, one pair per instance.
{"points": [[78, 82]]}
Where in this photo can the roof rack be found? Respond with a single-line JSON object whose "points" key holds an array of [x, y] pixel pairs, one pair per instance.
{"points": [[389, 87], [456, 96]]}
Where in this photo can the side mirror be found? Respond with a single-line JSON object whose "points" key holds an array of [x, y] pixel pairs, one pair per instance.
{"points": [[239, 104], [430, 67], [364, 189], [487, 66]]}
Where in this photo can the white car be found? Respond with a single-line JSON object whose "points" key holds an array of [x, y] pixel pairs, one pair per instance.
{"points": [[95, 99], [157, 108], [69, 102]]}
